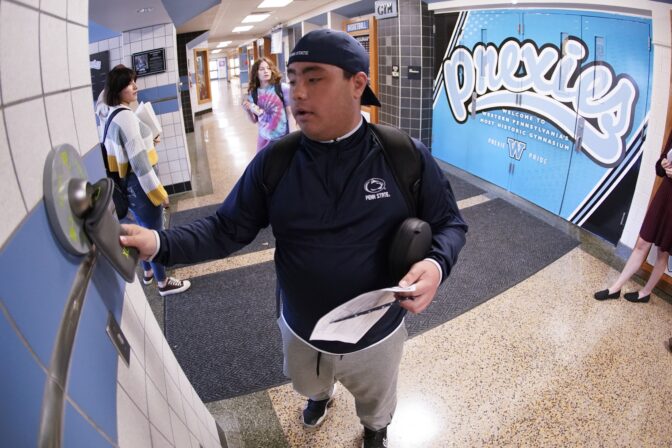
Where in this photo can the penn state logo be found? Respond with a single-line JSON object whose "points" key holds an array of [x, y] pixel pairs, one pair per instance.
{"points": [[375, 187]]}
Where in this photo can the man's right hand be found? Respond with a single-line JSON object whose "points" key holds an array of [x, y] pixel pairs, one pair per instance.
{"points": [[143, 239]]}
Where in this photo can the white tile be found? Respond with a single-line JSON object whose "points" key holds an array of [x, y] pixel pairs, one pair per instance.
{"points": [[127, 49], [140, 82], [56, 7], [78, 11], [54, 54], [155, 370], [159, 30], [170, 362], [172, 77], [159, 42], [104, 45], [115, 53], [127, 60], [33, 3], [169, 29], [132, 380], [132, 425], [60, 119], [11, 204], [135, 36], [136, 46], [20, 74], [174, 167], [93, 48], [147, 44], [153, 333], [169, 131], [165, 178], [147, 33], [136, 295], [192, 421], [85, 118], [172, 65], [180, 431], [162, 79], [172, 154], [185, 390], [29, 144], [159, 415], [159, 440], [171, 142], [115, 42], [194, 441], [126, 37], [134, 331], [115, 62], [175, 398], [150, 81], [78, 56]]}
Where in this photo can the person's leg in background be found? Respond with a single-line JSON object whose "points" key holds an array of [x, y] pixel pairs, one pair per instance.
{"points": [[150, 216]]}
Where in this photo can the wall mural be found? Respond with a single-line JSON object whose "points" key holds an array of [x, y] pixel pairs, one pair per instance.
{"points": [[549, 104]]}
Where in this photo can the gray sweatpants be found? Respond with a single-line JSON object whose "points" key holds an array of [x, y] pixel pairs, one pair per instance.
{"points": [[370, 374]]}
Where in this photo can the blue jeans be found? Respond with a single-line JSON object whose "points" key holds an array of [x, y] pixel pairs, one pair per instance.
{"points": [[147, 215]]}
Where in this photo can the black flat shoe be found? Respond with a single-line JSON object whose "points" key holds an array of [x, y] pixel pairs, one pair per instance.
{"points": [[634, 297], [604, 295]]}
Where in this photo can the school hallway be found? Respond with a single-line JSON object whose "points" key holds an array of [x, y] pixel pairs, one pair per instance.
{"points": [[539, 363]]}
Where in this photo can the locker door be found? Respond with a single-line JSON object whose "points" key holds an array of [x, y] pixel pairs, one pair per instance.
{"points": [[541, 173], [598, 195], [488, 154]]}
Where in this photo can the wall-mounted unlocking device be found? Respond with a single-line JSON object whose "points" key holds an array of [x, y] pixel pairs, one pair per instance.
{"points": [[81, 213]]}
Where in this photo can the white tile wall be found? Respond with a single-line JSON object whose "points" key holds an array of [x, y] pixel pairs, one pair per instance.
{"points": [[20, 74], [53, 54], [132, 424], [29, 145], [46, 100], [61, 120], [78, 51], [85, 119], [11, 204], [56, 7]]}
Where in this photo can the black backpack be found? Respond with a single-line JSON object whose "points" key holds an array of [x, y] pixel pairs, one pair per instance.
{"points": [[398, 149]]}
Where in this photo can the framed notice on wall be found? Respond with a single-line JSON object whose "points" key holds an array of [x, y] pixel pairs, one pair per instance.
{"points": [[202, 76], [149, 62]]}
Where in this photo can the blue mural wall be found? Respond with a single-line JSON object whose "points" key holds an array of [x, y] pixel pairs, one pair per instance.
{"points": [[550, 104]]}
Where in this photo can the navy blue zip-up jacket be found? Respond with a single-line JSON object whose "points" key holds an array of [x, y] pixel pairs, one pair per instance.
{"points": [[333, 215]]}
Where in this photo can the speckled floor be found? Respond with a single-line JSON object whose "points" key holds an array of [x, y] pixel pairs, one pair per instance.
{"points": [[542, 364]]}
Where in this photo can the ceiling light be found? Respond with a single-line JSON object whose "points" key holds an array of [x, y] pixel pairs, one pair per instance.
{"points": [[219, 50], [240, 29], [274, 3], [223, 44], [254, 18], [144, 10]]}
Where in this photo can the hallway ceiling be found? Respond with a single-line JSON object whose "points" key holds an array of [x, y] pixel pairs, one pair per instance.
{"points": [[123, 15]]}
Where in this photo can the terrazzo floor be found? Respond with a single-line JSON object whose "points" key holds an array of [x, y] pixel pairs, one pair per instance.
{"points": [[540, 365]]}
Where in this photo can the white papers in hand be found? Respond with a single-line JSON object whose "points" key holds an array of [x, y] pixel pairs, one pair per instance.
{"points": [[145, 113], [352, 330]]}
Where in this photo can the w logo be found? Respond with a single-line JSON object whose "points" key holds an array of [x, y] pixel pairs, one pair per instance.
{"points": [[516, 148]]}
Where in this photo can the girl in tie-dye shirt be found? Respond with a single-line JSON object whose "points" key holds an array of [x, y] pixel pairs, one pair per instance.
{"points": [[270, 111]]}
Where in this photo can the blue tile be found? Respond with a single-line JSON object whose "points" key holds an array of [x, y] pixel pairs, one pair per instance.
{"points": [[108, 286], [21, 388], [37, 277], [93, 162], [170, 106], [77, 432], [92, 382], [167, 91]]}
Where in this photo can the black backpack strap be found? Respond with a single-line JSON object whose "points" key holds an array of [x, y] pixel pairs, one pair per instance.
{"points": [[255, 96], [102, 145], [404, 159], [278, 156], [278, 91]]}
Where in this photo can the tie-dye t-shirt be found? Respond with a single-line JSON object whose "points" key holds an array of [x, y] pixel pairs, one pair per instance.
{"points": [[273, 123]]}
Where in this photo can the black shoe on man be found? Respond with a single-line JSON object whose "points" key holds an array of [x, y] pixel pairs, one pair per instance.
{"points": [[375, 439], [315, 412]]}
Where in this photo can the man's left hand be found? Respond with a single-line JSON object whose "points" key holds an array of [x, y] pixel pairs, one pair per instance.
{"points": [[426, 277]]}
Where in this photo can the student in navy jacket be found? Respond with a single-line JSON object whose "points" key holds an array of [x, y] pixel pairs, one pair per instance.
{"points": [[332, 235]]}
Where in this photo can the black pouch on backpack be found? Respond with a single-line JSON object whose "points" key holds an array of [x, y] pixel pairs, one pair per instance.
{"points": [[410, 244], [119, 196]]}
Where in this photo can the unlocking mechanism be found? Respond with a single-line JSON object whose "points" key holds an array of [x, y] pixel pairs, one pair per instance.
{"points": [[81, 213]]}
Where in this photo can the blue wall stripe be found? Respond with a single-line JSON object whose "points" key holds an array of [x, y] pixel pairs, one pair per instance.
{"points": [[165, 107], [21, 388], [37, 306], [78, 433], [98, 32]]}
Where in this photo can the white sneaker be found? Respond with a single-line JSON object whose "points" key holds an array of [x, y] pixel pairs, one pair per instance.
{"points": [[174, 286]]}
